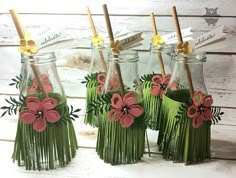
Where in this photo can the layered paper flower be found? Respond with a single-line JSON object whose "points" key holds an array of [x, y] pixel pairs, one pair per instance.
{"points": [[113, 84], [159, 84], [157, 41], [27, 46], [116, 47], [101, 80], [39, 113], [46, 83], [184, 48], [200, 109], [97, 40], [125, 109]]}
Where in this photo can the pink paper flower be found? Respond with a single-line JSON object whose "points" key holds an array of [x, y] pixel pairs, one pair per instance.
{"points": [[114, 83], [39, 113], [124, 109], [46, 84], [101, 80], [200, 109], [159, 84]]}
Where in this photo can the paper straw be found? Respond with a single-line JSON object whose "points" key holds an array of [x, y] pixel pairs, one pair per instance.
{"points": [[21, 33], [110, 33], [94, 34], [160, 59], [180, 40]]}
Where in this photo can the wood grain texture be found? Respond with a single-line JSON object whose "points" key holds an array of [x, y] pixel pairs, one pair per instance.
{"points": [[73, 64], [219, 72], [139, 7], [87, 164], [78, 27]]}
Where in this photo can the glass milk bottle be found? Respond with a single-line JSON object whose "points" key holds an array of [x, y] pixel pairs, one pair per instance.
{"points": [[184, 135], [95, 79], [155, 81], [45, 137], [121, 129]]}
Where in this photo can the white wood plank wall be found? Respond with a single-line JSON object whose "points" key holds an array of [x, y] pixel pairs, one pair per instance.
{"points": [[130, 15]]}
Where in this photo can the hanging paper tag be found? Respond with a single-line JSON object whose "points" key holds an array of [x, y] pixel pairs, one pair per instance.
{"points": [[172, 37], [51, 39], [130, 40], [210, 37]]}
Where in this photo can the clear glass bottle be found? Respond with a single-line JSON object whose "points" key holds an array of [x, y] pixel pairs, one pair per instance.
{"points": [[45, 137], [155, 81], [95, 79], [178, 138], [168, 55], [121, 131], [195, 64]]}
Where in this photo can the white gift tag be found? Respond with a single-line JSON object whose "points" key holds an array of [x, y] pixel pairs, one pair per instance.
{"points": [[53, 39], [211, 37], [172, 37], [130, 40]]}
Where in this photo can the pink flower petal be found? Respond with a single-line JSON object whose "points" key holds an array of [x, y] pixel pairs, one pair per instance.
{"points": [[207, 114], [44, 76], [167, 76], [114, 84], [173, 85], [166, 79], [27, 116], [115, 115], [33, 90], [136, 110], [126, 120], [129, 98], [48, 88], [45, 80], [207, 101], [35, 84], [52, 116], [156, 80], [197, 98], [101, 78], [192, 111], [49, 103], [198, 121], [40, 124], [116, 101], [33, 103], [155, 90], [99, 89]]}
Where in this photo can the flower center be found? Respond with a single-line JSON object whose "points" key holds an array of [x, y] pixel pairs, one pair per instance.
{"points": [[125, 109], [163, 86], [39, 114], [201, 108]]}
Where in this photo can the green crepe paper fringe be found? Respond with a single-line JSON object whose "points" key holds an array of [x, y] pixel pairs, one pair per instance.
{"points": [[52, 148], [178, 139], [152, 106], [118, 145], [91, 95]]}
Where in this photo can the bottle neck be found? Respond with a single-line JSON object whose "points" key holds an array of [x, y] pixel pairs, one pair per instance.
{"points": [[41, 58], [127, 56]]}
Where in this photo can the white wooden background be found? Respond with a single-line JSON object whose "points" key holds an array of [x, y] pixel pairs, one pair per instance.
{"points": [[132, 15]]}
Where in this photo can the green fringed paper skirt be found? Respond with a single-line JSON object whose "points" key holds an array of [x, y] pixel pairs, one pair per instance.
{"points": [[91, 96], [54, 147], [152, 106], [118, 145], [178, 139]]}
